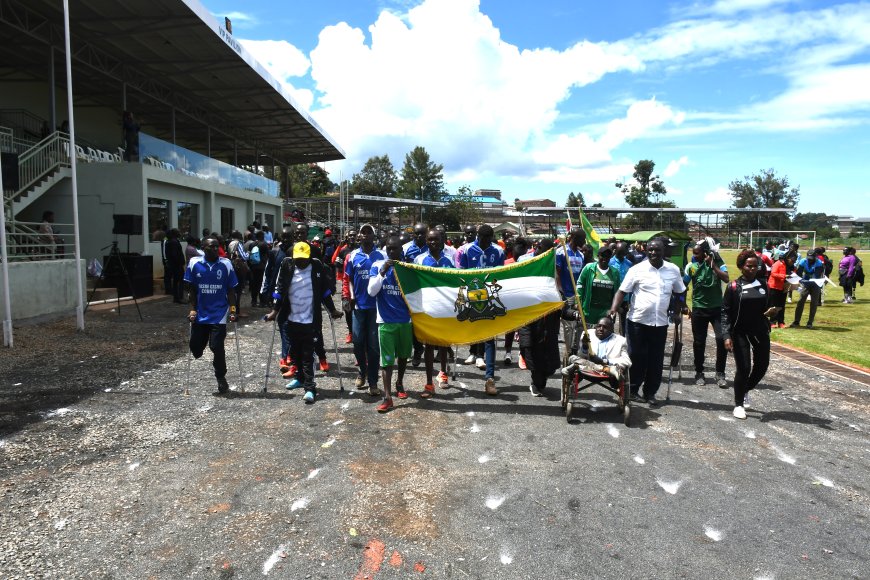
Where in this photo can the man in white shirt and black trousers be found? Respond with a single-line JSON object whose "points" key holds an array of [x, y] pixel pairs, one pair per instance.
{"points": [[302, 285], [652, 283]]}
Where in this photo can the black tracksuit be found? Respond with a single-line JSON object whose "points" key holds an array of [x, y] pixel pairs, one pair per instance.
{"points": [[743, 321]]}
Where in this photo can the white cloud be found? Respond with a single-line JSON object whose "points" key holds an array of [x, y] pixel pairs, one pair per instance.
{"points": [[718, 195], [674, 166], [284, 62]]}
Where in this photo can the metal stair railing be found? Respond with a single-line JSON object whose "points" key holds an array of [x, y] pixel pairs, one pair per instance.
{"points": [[25, 242], [23, 121], [40, 161]]}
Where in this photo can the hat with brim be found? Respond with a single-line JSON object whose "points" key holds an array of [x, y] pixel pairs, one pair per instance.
{"points": [[301, 250]]}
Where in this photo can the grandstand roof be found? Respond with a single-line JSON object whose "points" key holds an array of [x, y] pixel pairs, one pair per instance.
{"points": [[171, 55]]}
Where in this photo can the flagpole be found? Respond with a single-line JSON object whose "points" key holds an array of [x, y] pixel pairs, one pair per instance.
{"points": [[7, 301], [577, 303]]}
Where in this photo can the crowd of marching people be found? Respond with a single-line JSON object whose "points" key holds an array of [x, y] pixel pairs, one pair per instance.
{"points": [[618, 301]]}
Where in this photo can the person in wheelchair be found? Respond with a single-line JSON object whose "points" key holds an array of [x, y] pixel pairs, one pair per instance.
{"points": [[604, 352]]}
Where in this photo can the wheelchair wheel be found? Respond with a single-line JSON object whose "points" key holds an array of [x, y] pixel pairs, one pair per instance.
{"points": [[565, 383], [569, 408], [626, 415]]}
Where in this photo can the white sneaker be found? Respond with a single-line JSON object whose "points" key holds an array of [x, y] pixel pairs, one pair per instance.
{"points": [[508, 359], [746, 402], [739, 412], [535, 392], [469, 360], [480, 363]]}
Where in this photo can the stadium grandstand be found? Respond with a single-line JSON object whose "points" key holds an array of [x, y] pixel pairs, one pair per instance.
{"points": [[216, 132]]}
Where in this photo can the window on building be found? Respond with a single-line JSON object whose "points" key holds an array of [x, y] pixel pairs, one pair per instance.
{"points": [[228, 220], [188, 219], [158, 214], [258, 217], [270, 221]]}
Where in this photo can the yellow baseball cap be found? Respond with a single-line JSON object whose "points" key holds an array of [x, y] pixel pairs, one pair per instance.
{"points": [[301, 250]]}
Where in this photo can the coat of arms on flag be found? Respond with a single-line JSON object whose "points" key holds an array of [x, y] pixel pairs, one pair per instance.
{"points": [[478, 300]]}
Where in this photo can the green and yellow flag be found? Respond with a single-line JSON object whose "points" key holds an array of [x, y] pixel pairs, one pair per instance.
{"points": [[592, 237], [451, 306]]}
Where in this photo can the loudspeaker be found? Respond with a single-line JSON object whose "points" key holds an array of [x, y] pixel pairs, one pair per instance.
{"points": [[139, 268], [127, 224]]}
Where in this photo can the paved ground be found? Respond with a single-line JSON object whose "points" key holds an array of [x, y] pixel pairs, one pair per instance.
{"points": [[131, 479]]}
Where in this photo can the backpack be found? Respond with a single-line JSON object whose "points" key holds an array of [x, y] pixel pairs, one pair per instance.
{"points": [[237, 257], [829, 265], [254, 256]]}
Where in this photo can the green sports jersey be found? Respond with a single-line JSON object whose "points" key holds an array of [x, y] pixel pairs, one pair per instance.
{"points": [[597, 291], [707, 289]]}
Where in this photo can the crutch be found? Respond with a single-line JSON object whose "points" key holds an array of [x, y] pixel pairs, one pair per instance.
{"points": [[677, 351], [455, 356], [269, 358], [337, 359], [238, 355], [189, 357]]}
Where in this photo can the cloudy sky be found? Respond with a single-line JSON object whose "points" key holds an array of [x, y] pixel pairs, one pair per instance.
{"points": [[542, 98]]}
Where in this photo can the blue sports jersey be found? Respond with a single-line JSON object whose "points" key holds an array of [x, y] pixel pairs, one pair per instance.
{"points": [[429, 260], [211, 281], [391, 305], [412, 250], [358, 267], [576, 259], [814, 270], [473, 256]]}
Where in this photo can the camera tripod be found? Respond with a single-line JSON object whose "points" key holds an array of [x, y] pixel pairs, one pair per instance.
{"points": [[115, 256]]}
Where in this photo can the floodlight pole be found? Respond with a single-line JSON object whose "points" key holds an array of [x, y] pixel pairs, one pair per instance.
{"points": [[80, 308], [7, 302]]}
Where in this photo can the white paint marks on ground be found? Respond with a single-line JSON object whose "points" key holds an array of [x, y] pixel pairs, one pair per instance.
{"points": [[669, 486], [276, 556], [783, 456], [639, 460], [613, 431], [696, 401], [133, 466], [107, 390], [95, 356], [475, 428], [678, 392], [819, 480], [2, 443], [17, 384], [506, 559], [329, 443], [249, 375], [346, 406], [313, 473], [58, 413], [725, 418], [470, 414], [712, 533], [205, 409], [483, 459], [765, 576], [750, 434], [339, 422], [494, 503], [463, 386], [299, 504], [855, 427], [60, 524]]}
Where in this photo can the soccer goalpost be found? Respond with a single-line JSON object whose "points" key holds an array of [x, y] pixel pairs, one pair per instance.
{"points": [[758, 237]]}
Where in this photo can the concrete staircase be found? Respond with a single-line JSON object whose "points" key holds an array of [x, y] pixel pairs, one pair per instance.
{"points": [[21, 201]]}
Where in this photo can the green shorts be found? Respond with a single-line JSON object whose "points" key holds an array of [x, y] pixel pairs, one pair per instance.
{"points": [[396, 340]]}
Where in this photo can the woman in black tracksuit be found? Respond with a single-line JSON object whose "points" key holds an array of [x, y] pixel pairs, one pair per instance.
{"points": [[746, 328]]}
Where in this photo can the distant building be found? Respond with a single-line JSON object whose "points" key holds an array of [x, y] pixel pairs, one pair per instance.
{"points": [[535, 202], [846, 224], [496, 193]]}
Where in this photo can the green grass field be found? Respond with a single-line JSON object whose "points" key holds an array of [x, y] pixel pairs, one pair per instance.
{"points": [[841, 330]]}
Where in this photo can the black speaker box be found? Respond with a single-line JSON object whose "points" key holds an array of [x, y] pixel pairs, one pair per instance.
{"points": [[127, 224]]}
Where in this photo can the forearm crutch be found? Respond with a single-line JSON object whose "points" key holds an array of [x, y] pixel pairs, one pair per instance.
{"points": [[269, 358]]}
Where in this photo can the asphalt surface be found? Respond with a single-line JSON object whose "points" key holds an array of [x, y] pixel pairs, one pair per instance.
{"points": [[139, 481]]}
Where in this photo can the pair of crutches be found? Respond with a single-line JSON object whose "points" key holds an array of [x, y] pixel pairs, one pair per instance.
{"points": [[272, 351], [238, 358]]}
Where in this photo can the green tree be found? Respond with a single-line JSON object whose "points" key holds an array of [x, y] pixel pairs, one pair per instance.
{"points": [[821, 223], [378, 177], [458, 212], [308, 179], [421, 177], [575, 200], [646, 192], [764, 190]]}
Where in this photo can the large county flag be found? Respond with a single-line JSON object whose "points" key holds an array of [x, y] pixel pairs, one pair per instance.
{"points": [[450, 306]]}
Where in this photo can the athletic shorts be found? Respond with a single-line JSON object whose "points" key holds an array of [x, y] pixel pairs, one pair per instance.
{"points": [[396, 341]]}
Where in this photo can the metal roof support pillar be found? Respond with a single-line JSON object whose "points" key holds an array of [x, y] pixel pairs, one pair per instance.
{"points": [[235, 153], [80, 309], [208, 139], [52, 96], [172, 118], [123, 96]]}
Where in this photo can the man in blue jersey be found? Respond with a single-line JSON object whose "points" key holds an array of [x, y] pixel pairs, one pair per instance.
{"points": [[809, 269], [411, 251], [482, 253], [212, 282], [303, 284], [394, 322], [358, 268], [570, 256], [434, 258]]}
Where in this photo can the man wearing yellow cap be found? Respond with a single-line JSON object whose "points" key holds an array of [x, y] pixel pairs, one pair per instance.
{"points": [[303, 283]]}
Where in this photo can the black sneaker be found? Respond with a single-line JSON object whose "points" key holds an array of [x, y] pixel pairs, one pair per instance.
{"points": [[223, 386], [699, 379], [652, 401]]}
